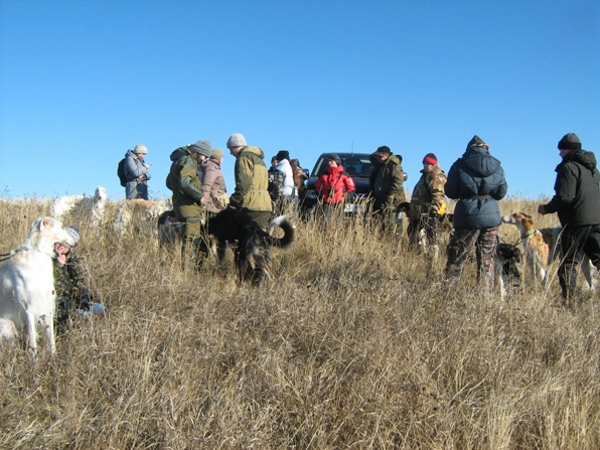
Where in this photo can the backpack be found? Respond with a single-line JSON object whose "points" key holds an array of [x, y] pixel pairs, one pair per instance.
{"points": [[121, 172]]}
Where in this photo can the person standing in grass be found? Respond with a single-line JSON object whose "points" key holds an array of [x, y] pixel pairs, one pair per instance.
{"points": [[184, 181], [426, 204], [334, 186], [214, 190], [251, 194], [577, 203], [136, 173], [387, 186], [477, 181]]}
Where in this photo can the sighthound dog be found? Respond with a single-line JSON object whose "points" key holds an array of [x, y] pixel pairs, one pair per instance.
{"points": [[236, 228], [139, 215], [541, 247], [82, 206], [27, 296]]}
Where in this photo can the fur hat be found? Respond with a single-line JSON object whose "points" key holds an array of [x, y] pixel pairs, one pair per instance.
{"points": [[282, 154], [475, 140], [202, 147], [140, 148], [236, 140], [73, 232], [217, 153], [336, 158], [430, 158], [569, 141]]}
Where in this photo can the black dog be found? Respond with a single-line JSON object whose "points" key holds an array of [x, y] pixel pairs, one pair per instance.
{"points": [[232, 226]]}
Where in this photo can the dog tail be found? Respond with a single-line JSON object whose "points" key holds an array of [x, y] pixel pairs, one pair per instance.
{"points": [[289, 231]]}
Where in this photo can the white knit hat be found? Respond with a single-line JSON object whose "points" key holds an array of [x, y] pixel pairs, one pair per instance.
{"points": [[140, 148], [236, 140]]}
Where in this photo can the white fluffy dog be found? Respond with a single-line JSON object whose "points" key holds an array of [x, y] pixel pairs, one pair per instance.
{"points": [[27, 296], [81, 205]]}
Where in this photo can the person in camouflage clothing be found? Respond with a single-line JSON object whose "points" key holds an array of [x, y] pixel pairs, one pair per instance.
{"points": [[72, 294], [387, 185], [477, 181], [184, 180], [426, 205]]}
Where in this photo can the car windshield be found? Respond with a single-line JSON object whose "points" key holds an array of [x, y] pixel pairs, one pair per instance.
{"points": [[357, 165]]}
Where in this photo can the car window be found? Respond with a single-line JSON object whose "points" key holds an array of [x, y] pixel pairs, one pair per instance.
{"points": [[356, 165]]}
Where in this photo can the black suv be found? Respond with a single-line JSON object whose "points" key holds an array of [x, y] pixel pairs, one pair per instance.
{"points": [[357, 165]]}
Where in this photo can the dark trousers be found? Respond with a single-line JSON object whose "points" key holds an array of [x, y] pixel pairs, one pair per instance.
{"points": [[575, 243]]}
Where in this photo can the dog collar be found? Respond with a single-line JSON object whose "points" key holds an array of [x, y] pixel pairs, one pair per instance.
{"points": [[528, 233]]}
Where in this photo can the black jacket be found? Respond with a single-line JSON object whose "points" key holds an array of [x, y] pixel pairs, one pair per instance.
{"points": [[477, 181], [577, 199]]}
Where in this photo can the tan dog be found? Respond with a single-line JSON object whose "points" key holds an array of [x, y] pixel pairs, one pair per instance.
{"points": [[541, 248], [139, 216]]}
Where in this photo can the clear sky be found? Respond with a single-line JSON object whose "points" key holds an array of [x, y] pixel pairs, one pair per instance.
{"points": [[83, 81]]}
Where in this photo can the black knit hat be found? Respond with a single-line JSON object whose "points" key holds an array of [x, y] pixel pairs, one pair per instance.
{"points": [[282, 154], [569, 141], [335, 158], [475, 140]]}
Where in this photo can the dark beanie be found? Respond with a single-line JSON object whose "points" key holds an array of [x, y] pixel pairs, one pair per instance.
{"points": [[335, 158], [475, 140], [430, 158], [570, 141], [282, 154]]}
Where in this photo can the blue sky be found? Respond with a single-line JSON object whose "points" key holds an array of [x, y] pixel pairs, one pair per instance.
{"points": [[83, 81]]}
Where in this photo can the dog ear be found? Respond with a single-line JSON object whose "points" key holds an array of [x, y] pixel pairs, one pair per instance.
{"points": [[46, 222], [526, 216]]}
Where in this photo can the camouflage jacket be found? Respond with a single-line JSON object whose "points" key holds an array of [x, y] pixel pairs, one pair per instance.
{"points": [[428, 194], [69, 284]]}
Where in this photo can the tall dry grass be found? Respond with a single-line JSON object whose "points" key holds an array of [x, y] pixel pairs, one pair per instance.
{"points": [[355, 343]]}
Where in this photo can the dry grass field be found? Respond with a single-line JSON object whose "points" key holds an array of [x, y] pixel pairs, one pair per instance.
{"points": [[353, 344]]}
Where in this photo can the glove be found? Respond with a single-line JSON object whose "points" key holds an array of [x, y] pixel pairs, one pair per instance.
{"points": [[433, 220]]}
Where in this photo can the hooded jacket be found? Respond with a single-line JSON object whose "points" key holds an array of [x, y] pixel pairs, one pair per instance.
{"points": [[333, 185], [577, 199], [251, 181], [135, 172], [213, 183], [183, 179], [477, 181], [387, 182]]}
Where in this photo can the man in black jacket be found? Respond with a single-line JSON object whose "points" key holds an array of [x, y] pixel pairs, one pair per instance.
{"points": [[577, 202]]}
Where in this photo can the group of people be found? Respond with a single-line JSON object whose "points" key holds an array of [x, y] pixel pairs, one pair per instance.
{"points": [[476, 181]]}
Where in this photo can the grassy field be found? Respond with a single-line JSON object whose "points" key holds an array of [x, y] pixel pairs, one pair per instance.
{"points": [[353, 344]]}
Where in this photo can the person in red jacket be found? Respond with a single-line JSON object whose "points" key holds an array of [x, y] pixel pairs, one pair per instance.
{"points": [[334, 186]]}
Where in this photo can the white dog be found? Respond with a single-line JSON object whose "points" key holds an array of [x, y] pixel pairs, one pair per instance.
{"points": [[27, 296], [81, 205]]}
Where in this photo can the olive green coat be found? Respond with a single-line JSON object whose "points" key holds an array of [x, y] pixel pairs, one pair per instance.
{"points": [[251, 181], [387, 184], [184, 181]]}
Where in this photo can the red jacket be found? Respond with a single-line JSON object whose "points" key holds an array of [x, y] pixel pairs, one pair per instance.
{"points": [[334, 184]]}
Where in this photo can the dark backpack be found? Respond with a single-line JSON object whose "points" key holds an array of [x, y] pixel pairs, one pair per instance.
{"points": [[121, 172]]}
